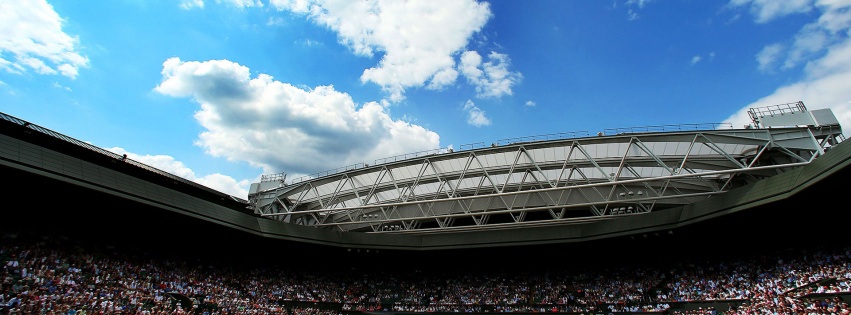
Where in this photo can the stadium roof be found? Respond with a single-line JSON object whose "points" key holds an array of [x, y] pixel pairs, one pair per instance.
{"points": [[529, 191], [565, 181]]}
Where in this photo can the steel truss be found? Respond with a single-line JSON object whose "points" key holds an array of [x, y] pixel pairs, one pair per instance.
{"points": [[566, 181]]}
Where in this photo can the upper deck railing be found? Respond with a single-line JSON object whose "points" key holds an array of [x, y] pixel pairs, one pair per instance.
{"points": [[779, 109]]}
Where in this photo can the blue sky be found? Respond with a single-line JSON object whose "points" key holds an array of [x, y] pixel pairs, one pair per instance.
{"points": [[222, 92]]}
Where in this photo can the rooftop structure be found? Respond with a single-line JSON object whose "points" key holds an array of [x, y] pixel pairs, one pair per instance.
{"points": [[556, 182]]}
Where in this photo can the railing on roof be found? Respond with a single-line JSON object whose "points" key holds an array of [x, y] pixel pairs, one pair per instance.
{"points": [[779, 109], [412, 155], [664, 128], [608, 131], [472, 146], [545, 137], [328, 172], [114, 155], [279, 177]]}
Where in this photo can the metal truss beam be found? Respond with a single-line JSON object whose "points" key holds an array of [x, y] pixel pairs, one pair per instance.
{"points": [[545, 182]]}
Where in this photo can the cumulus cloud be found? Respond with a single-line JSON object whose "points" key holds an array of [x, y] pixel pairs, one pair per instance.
{"points": [[166, 163], [282, 128], [31, 38], [530, 104], [491, 78], [418, 41], [475, 116], [826, 71]]}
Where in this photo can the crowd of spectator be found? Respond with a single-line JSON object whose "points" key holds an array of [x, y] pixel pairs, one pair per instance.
{"points": [[51, 274]]}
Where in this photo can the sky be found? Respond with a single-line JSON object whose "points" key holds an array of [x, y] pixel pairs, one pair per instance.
{"points": [[222, 92]]}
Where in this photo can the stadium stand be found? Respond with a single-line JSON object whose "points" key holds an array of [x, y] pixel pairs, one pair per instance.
{"points": [[119, 257]]}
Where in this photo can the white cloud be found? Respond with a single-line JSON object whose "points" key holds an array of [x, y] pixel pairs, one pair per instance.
{"points": [[475, 116], [4, 86], [10, 67], [698, 58], [167, 163], [695, 59], [37, 64], [272, 21], [31, 34], [531, 104], [826, 72], [767, 10], [632, 14], [639, 3], [308, 43], [283, 128], [443, 78], [67, 70], [418, 40], [767, 57], [492, 78], [469, 65], [243, 3], [60, 86], [811, 41], [191, 4]]}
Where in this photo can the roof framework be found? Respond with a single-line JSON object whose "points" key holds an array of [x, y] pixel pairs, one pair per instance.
{"points": [[552, 182]]}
